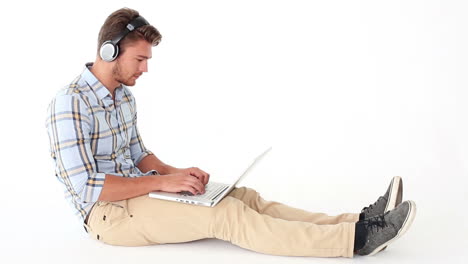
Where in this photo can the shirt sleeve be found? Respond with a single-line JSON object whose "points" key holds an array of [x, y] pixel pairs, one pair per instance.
{"points": [[137, 148], [68, 126]]}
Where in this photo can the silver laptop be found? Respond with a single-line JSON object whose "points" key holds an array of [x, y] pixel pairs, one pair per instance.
{"points": [[214, 191]]}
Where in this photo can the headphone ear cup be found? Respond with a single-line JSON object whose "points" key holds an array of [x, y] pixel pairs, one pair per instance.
{"points": [[109, 51]]}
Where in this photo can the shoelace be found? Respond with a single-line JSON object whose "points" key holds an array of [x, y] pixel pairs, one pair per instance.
{"points": [[376, 223], [368, 208]]}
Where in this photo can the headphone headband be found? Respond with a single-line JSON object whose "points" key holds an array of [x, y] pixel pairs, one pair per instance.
{"points": [[131, 26]]}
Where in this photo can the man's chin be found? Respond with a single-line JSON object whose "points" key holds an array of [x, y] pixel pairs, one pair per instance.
{"points": [[129, 83]]}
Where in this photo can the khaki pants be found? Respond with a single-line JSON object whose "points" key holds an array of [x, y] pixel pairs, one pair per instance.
{"points": [[242, 217]]}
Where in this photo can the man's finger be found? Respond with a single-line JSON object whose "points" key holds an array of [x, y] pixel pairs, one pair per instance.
{"points": [[197, 184], [194, 171], [197, 173], [205, 176], [199, 176], [191, 189]]}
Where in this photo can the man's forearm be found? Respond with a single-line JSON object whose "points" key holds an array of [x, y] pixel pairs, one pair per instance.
{"points": [[118, 188], [151, 162]]}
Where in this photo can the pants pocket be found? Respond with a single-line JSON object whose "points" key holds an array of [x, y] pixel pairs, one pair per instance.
{"points": [[106, 216]]}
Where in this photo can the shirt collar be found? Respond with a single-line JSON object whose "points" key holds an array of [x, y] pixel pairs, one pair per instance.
{"points": [[100, 90]]}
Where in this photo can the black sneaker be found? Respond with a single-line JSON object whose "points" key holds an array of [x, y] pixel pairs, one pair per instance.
{"points": [[386, 228], [391, 199]]}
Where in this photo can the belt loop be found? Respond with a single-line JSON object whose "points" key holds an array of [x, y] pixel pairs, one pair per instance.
{"points": [[86, 228], [85, 222]]}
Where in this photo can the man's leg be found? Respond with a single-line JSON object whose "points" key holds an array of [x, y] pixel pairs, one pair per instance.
{"points": [[274, 209], [144, 221]]}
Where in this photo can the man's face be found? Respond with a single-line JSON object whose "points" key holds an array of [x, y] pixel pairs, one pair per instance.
{"points": [[132, 62]]}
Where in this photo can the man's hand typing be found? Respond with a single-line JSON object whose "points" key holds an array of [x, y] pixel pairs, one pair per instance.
{"points": [[190, 180]]}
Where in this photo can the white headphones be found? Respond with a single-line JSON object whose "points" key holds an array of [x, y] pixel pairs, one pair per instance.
{"points": [[110, 48]]}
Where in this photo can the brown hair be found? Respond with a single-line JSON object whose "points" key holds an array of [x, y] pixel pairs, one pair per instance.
{"points": [[117, 22]]}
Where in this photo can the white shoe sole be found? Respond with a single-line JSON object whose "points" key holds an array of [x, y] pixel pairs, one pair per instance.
{"points": [[406, 225]]}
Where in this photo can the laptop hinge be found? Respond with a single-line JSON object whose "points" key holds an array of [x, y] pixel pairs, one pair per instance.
{"points": [[216, 196]]}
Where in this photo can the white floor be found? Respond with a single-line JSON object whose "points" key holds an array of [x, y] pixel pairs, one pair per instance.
{"points": [[52, 235]]}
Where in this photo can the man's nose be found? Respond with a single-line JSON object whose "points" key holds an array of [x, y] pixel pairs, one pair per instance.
{"points": [[144, 66]]}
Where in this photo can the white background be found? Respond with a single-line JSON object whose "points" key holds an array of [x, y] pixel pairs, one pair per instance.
{"points": [[348, 93]]}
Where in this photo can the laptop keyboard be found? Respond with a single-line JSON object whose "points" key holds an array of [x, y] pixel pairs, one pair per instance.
{"points": [[211, 190]]}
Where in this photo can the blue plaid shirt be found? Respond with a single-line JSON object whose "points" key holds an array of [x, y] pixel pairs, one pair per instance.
{"points": [[90, 137]]}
